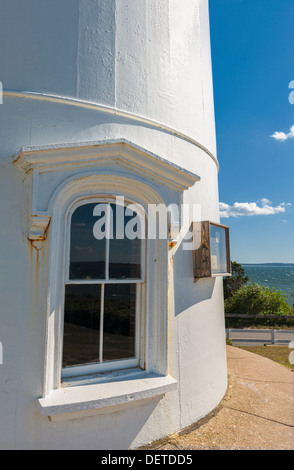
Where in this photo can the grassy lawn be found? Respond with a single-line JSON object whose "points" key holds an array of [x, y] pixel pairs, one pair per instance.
{"points": [[278, 354]]}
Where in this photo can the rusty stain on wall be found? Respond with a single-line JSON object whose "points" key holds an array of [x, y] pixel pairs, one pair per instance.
{"points": [[35, 248]]}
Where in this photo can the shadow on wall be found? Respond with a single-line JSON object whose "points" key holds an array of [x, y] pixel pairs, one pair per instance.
{"points": [[187, 292], [127, 424]]}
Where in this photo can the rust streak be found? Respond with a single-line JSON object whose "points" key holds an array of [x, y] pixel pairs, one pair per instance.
{"points": [[35, 247]]}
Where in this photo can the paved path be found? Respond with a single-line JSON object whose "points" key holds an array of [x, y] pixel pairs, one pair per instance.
{"points": [[256, 413]]}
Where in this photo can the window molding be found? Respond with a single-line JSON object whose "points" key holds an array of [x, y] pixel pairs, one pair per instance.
{"points": [[56, 158], [58, 177], [103, 396], [49, 168], [74, 191], [155, 323], [38, 227]]}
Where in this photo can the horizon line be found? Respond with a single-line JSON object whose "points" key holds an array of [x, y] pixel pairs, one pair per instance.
{"points": [[271, 262]]}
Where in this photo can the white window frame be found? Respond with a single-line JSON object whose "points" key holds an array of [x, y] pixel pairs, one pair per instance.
{"points": [[138, 360], [154, 299]]}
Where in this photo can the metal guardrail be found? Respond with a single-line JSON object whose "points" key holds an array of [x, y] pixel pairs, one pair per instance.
{"points": [[245, 315], [262, 336]]}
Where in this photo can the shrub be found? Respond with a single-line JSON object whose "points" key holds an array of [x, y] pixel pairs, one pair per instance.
{"points": [[254, 299]]}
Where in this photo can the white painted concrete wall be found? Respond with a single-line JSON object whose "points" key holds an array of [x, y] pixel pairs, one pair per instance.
{"points": [[79, 71]]}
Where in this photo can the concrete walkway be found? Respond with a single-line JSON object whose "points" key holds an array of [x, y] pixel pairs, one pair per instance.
{"points": [[255, 414]]}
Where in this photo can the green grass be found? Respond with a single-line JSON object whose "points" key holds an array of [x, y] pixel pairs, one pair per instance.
{"points": [[278, 354]]}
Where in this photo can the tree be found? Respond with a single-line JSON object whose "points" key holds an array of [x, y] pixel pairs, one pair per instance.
{"points": [[254, 299], [236, 281]]}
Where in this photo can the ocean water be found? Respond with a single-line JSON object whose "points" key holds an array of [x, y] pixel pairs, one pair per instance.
{"points": [[280, 277]]}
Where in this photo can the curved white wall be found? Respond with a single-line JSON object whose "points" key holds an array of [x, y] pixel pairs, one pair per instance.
{"points": [[80, 71], [148, 58]]}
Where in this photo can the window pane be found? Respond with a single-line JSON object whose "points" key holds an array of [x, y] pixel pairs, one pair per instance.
{"points": [[81, 324], [218, 249], [119, 321], [87, 253], [124, 253]]}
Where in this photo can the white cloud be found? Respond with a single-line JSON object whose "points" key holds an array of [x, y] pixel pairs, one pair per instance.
{"points": [[239, 209], [281, 136], [265, 201]]}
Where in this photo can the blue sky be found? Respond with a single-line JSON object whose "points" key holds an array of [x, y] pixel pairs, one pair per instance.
{"points": [[252, 45]]}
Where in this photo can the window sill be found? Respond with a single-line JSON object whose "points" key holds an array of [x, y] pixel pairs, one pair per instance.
{"points": [[97, 396]]}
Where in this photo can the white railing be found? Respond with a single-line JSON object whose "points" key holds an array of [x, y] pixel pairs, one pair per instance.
{"points": [[262, 336]]}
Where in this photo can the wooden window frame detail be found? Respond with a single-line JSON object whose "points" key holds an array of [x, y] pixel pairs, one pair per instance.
{"points": [[202, 266]]}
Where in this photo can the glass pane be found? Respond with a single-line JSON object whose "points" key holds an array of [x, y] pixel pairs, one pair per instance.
{"points": [[218, 249], [87, 253], [81, 324], [119, 321], [124, 253]]}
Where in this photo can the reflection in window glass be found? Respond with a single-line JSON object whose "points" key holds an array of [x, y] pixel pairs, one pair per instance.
{"points": [[81, 324], [218, 249], [87, 254], [119, 321], [124, 254]]}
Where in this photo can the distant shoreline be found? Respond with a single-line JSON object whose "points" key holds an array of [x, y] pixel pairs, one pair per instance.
{"points": [[267, 264]]}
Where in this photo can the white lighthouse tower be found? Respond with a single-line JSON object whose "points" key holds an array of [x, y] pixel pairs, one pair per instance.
{"points": [[107, 115]]}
